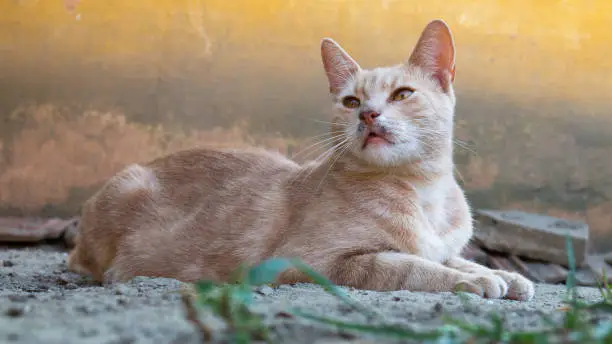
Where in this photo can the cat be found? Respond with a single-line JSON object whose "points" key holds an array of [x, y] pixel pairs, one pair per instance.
{"points": [[382, 211]]}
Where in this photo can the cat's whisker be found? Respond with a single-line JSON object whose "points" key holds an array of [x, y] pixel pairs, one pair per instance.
{"points": [[313, 147], [319, 136], [464, 145], [342, 124], [459, 174], [334, 141], [340, 153], [322, 156]]}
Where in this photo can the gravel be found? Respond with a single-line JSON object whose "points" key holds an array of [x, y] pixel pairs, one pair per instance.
{"points": [[41, 302]]}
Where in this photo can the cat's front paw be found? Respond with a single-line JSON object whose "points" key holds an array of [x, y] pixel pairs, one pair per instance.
{"points": [[519, 287], [490, 286]]}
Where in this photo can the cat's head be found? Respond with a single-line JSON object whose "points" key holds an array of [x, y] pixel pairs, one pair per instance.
{"points": [[398, 115]]}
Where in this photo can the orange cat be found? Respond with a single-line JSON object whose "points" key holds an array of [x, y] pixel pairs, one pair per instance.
{"points": [[383, 211]]}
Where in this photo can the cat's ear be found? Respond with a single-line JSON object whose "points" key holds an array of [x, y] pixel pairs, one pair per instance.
{"points": [[338, 64], [435, 53]]}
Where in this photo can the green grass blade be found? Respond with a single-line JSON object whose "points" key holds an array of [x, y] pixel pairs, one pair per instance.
{"points": [[204, 287], [385, 330], [570, 283], [333, 289], [267, 271]]}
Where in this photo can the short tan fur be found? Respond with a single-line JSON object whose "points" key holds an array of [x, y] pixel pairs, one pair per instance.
{"points": [[382, 211]]}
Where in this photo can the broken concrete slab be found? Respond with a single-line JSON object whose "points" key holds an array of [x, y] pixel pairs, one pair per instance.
{"points": [[500, 262], [547, 273], [539, 237], [524, 270], [586, 277], [473, 253], [24, 230], [601, 269], [70, 232]]}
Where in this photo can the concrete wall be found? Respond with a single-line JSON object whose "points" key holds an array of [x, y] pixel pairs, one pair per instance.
{"points": [[86, 88]]}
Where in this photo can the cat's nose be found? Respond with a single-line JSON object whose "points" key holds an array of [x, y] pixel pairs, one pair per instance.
{"points": [[368, 116]]}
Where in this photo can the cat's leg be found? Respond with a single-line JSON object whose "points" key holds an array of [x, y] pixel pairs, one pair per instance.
{"points": [[398, 271], [519, 287]]}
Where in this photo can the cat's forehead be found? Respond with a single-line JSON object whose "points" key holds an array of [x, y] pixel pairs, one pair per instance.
{"points": [[382, 79]]}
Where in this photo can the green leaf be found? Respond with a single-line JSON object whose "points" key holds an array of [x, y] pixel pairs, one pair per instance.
{"points": [[241, 294], [205, 287], [267, 271]]}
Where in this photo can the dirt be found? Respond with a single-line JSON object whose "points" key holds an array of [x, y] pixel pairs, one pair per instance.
{"points": [[41, 302]]}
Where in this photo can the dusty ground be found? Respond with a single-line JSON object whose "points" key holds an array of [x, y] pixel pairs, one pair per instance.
{"points": [[40, 302]]}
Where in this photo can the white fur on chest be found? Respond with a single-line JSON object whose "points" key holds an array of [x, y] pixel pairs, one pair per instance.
{"points": [[428, 225]]}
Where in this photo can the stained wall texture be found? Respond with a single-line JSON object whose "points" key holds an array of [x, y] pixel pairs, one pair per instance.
{"points": [[88, 87]]}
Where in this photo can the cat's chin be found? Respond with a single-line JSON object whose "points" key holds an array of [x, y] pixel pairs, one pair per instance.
{"points": [[385, 154]]}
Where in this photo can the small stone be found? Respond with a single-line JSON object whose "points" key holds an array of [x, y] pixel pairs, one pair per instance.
{"points": [[14, 312], [346, 335], [265, 290], [437, 308], [7, 263], [282, 314], [395, 298], [62, 280], [122, 301], [122, 289], [71, 286], [345, 309]]}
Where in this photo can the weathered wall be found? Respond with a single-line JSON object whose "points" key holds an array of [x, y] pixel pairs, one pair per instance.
{"points": [[86, 89]]}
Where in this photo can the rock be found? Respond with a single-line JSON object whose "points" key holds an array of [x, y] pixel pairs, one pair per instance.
{"points": [[474, 253], [586, 277], [538, 237], [599, 267]]}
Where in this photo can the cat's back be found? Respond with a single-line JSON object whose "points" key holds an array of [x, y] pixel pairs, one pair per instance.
{"points": [[207, 165], [190, 178], [174, 199]]}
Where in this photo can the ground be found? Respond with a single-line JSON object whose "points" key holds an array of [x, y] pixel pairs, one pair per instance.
{"points": [[41, 302]]}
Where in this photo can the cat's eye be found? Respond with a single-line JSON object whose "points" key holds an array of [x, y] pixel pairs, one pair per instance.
{"points": [[401, 94], [351, 102]]}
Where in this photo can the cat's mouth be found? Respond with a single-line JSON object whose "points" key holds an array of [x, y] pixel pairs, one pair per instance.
{"points": [[374, 137]]}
